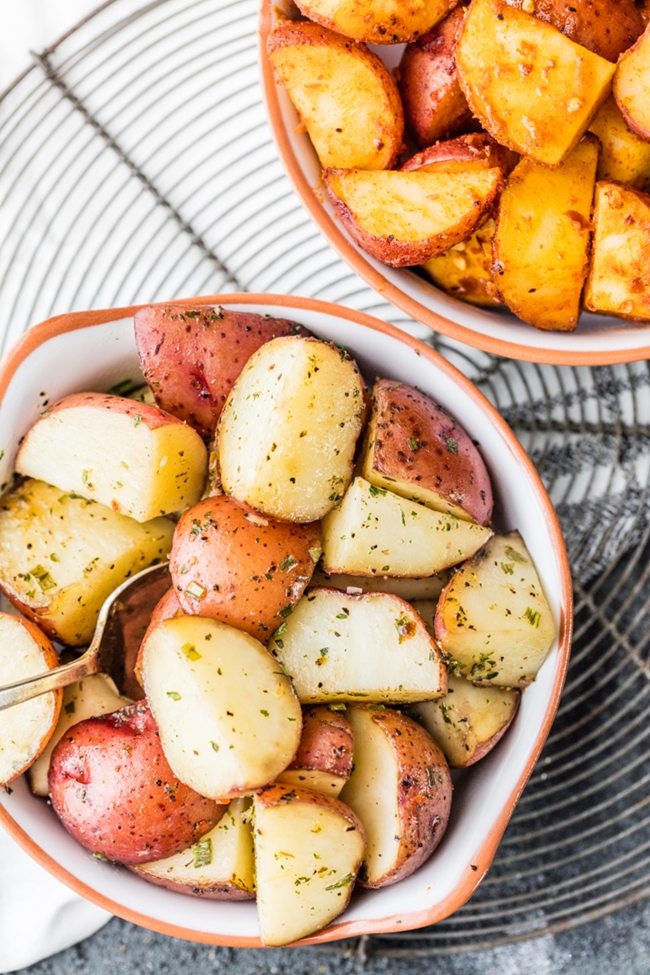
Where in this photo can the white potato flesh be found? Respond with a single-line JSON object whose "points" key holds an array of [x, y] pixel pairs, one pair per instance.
{"points": [[106, 454], [327, 783], [24, 728], [371, 647], [493, 619], [375, 532], [61, 556], [307, 854], [468, 720], [426, 587], [288, 431], [229, 720], [87, 698], [221, 862]]}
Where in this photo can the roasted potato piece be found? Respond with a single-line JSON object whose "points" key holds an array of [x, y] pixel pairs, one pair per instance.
{"points": [[493, 619], [229, 720], [531, 87], [404, 218], [220, 866], [344, 94], [401, 791], [468, 721], [113, 790], [373, 646], [466, 269], [192, 356], [478, 150], [541, 241], [424, 587], [632, 86], [25, 729], [234, 565], [606, 27], [131, 457], [624, 157], [434, 106], [61, 556], [288, 432], [323, 761], [416, 449], [376, 532], [619, 277], [308, 849], [377, 21]]}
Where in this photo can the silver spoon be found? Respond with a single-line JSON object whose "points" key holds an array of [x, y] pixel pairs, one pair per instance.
{"points": [[105, 655]]}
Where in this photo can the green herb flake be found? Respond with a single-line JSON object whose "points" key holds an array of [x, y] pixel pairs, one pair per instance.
{"points": [[137, 419], [513, 554], [508, 568], [414, 443], [343, 615], [375, 491], [43, 578], [315, 553], [452, 445], [343, 882], [288, 563], [286, 611], [264, 712], [190, 651], [215, 746], [175, 696], [533, 616], [202, 852]]}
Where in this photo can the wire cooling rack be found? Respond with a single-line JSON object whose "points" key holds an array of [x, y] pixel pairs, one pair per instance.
{"points": [[136, 164]]}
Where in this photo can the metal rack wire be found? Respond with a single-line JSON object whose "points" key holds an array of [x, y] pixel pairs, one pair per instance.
{"points": [[136, 164]]}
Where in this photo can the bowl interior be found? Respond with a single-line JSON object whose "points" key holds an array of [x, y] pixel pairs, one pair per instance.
{"points": [[598, 339], [95, 357]]}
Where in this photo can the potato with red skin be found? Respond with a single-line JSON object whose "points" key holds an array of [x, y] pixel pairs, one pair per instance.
{"points": [[477, 150], [191, 355], [416, 449], [323, 761], [606, 27], [113, 790], [434, 105], [245, 569], [632, 86]]}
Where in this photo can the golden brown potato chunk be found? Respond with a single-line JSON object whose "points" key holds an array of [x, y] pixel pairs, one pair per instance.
{"points": [[632, 86], [465, 270], [377, 21], [624, 157], [606, 27]]}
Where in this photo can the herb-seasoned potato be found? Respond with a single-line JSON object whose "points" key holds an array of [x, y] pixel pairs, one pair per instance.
{"points": [[468, 721], [229, 720], [134, 458], [25, 729], [606, 27], [323, 761], [377, 21], [423, 587], [477, 150], [619, 277], [344, 94], [404, 218], [288, 431], [374, 646], [416, 449], [493, 619], [466, 269], [541, 241], [401, 791], [632, 86], [220, 866], [434, 105], [376, 532], [192, 356], [624, 157], [235, 565], [61, 556], [531, 87], [308, 849]]}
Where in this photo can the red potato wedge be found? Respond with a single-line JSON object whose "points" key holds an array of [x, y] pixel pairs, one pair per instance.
{"points": [[493, 621], [606, 27], [632, 86], [401, 791], [113, 790], [25, 729], [542, 237], [404, 218], [308, 850], [376, 532], [220, 866], [533, 89], [347, 99], [466, 270], [323, 761], [416, 449], [131, 457], [619, 277], [478, 150], [624, 157], [434, 105], [192, 356], [229, 720], [288, 432], [62, 556], [468, 721], [377, 21], [370, 647], [245, 569], [424, 587]]}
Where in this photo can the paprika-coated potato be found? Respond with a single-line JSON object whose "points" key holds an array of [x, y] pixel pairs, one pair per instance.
{"points": [[377, 21], [632, 86], [476, 150], [466, 270], [606, 27], [624, 156]]}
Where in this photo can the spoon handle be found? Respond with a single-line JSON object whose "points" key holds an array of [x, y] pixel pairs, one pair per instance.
{"points": [[29, 687]]}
